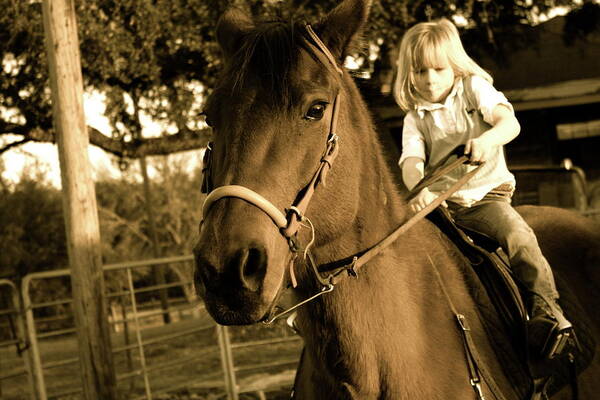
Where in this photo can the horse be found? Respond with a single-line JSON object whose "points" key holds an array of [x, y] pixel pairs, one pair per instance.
{"points": [[299, 184]]}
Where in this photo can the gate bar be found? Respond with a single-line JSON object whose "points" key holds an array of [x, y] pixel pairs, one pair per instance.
{"points": [[227, 362], [21, 330], [138, 335], [38, 374]]}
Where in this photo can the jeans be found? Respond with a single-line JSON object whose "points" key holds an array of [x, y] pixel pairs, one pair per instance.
{"points": [[494, 216]]}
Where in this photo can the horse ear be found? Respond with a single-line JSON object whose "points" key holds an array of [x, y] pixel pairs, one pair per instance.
{"points": [[231, 28], [339, 28]]}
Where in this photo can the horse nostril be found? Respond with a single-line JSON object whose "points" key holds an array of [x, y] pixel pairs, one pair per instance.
{"points": [[251, 264], [204, 272]]}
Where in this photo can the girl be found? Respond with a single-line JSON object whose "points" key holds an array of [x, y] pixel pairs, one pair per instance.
{"points": [[450, 101]]}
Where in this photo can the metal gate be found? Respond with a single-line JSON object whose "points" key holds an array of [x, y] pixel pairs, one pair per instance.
{"points": [[145, 350], [13, 329]]}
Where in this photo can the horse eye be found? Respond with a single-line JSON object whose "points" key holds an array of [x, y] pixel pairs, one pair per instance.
{"points": [[316, 111]]}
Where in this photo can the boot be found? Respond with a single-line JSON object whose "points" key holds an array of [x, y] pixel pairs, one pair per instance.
{"points": [[548, 329]]}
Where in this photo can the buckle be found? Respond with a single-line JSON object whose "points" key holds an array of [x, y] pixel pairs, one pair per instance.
{"points": [[462, 322], [352, 268], [476, 383]]}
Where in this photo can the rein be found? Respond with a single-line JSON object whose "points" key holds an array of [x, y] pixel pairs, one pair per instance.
{"points": [[351, 265], [438, 171]]}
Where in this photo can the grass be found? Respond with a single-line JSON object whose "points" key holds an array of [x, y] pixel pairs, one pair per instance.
{"points": [[199, 377]]}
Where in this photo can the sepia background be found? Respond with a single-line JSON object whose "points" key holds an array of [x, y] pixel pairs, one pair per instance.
{"points": [[147, 68]]}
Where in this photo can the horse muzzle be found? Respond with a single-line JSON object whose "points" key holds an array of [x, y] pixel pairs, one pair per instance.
{"points": [[238, 266], [234, 294]]}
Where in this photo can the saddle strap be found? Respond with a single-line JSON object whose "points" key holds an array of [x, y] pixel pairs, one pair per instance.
{"points": [[476, 371], [474, 376], [573, 377]]}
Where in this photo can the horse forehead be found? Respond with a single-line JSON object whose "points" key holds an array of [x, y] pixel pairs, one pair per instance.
{"points": [[311, 67], [247, 119], [249, 107]]}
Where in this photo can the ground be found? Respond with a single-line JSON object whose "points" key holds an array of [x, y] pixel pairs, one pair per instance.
{"points": [[199, 376]]}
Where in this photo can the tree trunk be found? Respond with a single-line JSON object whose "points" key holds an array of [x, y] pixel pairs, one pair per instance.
{"points": [[79, 201]]}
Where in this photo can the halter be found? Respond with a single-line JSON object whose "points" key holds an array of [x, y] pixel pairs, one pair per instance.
{"points": [[290, 222]]}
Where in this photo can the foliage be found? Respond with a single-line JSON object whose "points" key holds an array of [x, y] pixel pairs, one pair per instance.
{"points": [[147, 57], [158, 58], [124, 221], [151, 52], [581, 22], [32, 232]]}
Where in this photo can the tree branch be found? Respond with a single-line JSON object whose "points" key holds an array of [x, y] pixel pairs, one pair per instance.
{"points": [[13, 144], [181, 141], [133, 228]]}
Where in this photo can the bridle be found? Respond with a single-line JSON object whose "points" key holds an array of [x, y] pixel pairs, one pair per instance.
{"points": [[290, 222]]}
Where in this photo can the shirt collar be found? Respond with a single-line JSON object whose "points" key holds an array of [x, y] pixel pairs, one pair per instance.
{"points": [[424, 105]]}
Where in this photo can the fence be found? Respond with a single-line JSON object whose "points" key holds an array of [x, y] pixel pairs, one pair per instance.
{"points": [[18, 372], [191, 354], [552, 186]]}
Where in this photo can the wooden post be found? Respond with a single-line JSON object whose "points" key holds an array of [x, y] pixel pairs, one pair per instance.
{"points": [[79, 201]]}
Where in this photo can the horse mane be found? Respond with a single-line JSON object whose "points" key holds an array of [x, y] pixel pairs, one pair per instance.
{"points": [[267, 53]]}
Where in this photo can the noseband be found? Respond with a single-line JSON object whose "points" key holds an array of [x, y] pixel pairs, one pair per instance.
{"points": [[289, 223]]}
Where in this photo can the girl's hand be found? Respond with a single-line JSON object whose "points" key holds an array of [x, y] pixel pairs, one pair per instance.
{"points": [[479, 149], [420, 201]]}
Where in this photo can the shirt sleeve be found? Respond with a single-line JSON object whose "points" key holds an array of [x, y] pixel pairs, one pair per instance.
{"points": [[413, 141], [487, 98]]}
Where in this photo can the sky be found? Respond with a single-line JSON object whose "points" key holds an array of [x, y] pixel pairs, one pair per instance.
{"points": [[45, 155]]}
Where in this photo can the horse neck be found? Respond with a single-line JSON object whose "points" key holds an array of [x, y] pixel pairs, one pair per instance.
{"points": [[366, 183], [388, 306], [382, 329]]}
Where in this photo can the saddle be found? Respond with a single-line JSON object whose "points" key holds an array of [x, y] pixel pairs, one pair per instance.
{"points": [[502, 310]]}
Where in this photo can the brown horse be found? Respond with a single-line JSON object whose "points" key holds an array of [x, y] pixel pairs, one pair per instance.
{"points": [[390, 332]]}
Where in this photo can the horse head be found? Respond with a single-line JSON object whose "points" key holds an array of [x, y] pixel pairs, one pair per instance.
{"points": [[272, 112]]}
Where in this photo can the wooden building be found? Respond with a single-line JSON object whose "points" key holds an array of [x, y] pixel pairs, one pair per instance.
{"points": [[555, 89]]}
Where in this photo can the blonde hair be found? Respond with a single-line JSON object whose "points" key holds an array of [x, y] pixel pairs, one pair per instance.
{"points": [[429, 45]]}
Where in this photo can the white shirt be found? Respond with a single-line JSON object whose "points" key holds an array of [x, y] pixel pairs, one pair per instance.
{"points": [[433, 130]]}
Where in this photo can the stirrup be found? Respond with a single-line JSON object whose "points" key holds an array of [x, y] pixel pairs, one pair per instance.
{"points": [[558, 338], [560, 333]]}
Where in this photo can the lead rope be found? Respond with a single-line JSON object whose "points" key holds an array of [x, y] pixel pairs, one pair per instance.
{"points": [[305, 223], [471, 354]]}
